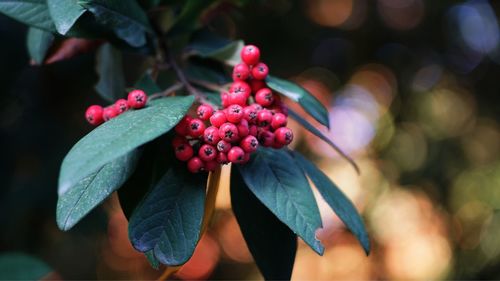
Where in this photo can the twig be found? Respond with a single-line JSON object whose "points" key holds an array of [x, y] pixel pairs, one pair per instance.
{"points": [[167, 91]]}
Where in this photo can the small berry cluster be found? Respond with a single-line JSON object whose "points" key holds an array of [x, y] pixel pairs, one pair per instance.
{"points": [[251, 116], [96, 114]]}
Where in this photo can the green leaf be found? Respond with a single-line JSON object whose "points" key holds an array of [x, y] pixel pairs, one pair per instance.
{"points": [[147, 84], [208, 45], [19, 266], [31, 12], [189, 16], [296, 93], [339, 203], [272, 244], [65, 13], [125, 17], [169, 219], [283, 188], [152, 260], [109, 67], [119, 136], [201, 73], [39, 42], [83, 197], [320, 135]]}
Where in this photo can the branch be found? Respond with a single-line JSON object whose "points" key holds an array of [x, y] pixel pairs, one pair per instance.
{"points": [[170, 90]]}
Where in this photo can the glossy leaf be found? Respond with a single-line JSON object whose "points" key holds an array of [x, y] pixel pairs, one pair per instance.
{"points": [[283, 188], [109, 67], [65, 13], [337, 200], [272, 244], [152, 260], [169, 219], [19, 266], [119, 136], [320, 135], [296, 93], [39, 42], [30, 12], [83, 197], [189, 16], [201, 73], [147, 84], [125, 17], [209, 45]]}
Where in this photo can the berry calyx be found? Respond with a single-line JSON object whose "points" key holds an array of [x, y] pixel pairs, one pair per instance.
{"points": [[264, 97], [196, 128], [264, 118], [284, 135], [228, 132], [204, 111], [260, 71], [223, 146], [249, 144], [234, 113], [121, 105], [211, 135], [241, 72], [207, 152], [183, 152], [93, 114], [137, 99]]}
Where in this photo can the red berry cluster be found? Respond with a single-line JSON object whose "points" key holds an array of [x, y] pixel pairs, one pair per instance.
{"points": [[252, 115], [96, 114]]}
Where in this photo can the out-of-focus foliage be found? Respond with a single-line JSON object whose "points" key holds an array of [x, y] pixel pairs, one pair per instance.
{"points": [[412, 90]]}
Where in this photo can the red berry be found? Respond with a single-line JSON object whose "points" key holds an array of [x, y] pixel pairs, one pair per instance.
{"points": [[264, 97], [221, 158], [264, 118], [228, 132], [196, 128], [204, 111], [250, 114], [93, 114], [246, 158], [249, 144], [234, 113], [109, 113], [241, 72], [121, 106], [266, 138], [224, 96], [178, 140], [250, 54], [223, 146], [195, 165], [284, 135], [236, 155], [207, 152], [218, 118], [260, 71], [238, 98], [182, 128], [277, 145], [240, 87], [243, 129], [211, 135], [211, 165], [257, 107], [137, 99], [183, 152], [279, 120], [253, 130], [256, 85]]}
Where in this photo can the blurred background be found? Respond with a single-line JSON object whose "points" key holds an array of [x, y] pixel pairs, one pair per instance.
{"points": [[413, 91]]}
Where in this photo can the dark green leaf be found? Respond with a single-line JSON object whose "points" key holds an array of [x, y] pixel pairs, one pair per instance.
{"points": [[31, 12], [296, 93], [272, 244], [152, 260], [283, 188], [201, 73], [80, 199], [320, 135], [339, 203], [39, 42], [119, 136], [65, 13], [125, 17], [109, 67], [147, 84], [210, 45], [169, 219], [189, 16], [19, 266]]}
